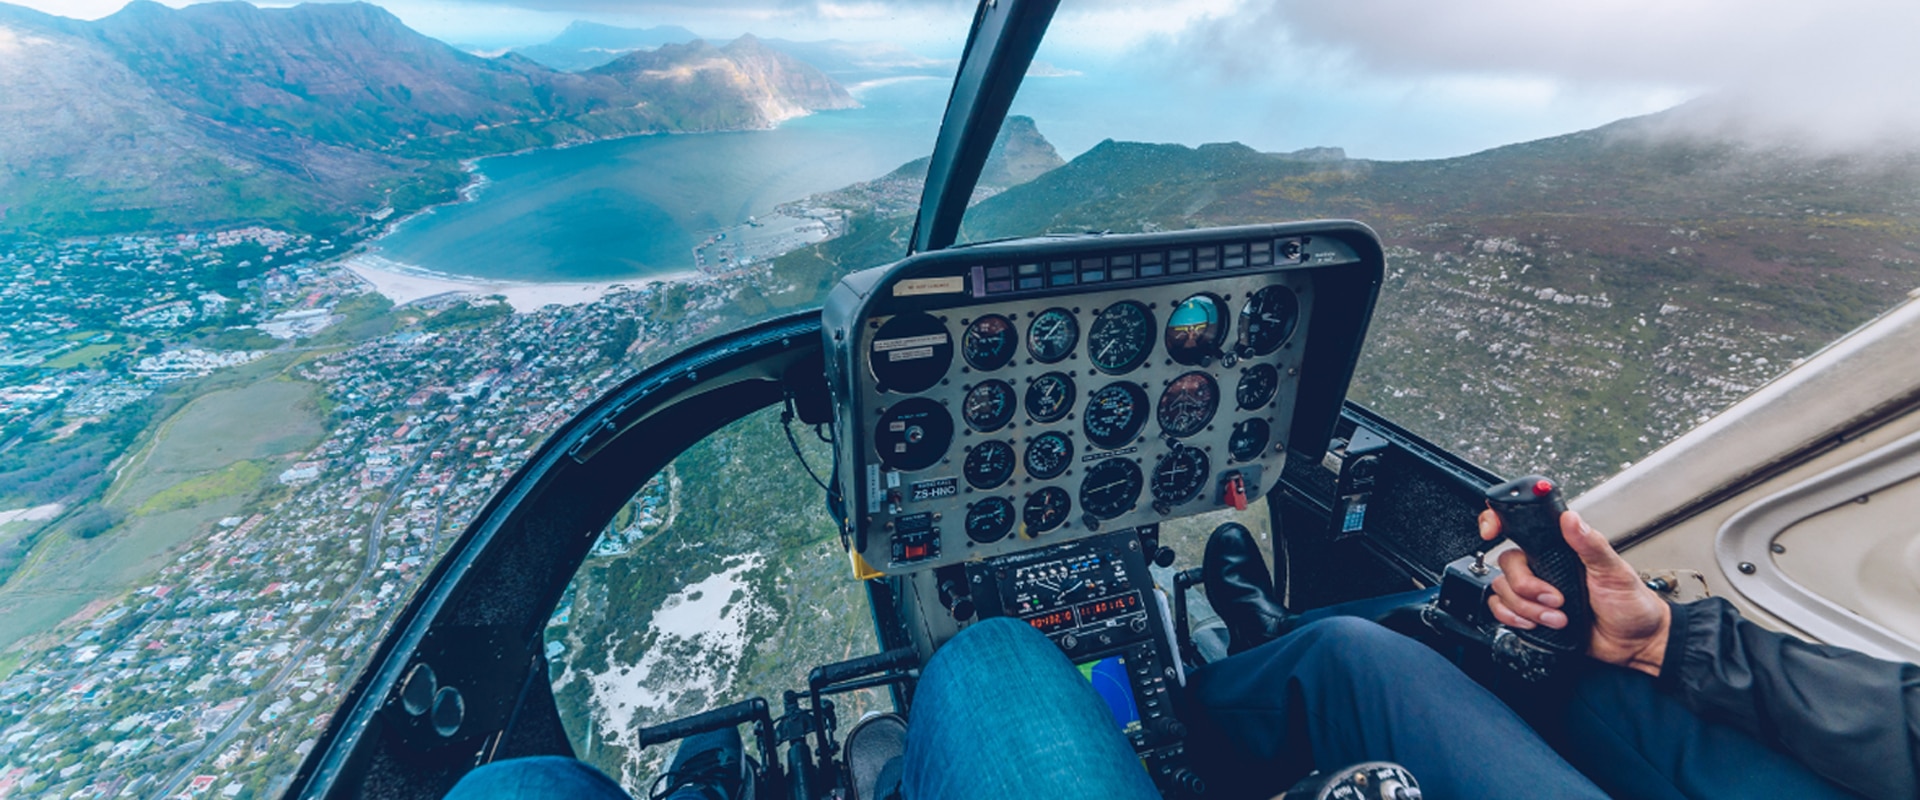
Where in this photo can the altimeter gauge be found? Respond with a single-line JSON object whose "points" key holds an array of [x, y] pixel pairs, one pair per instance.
{"points": [[1121, 337]]}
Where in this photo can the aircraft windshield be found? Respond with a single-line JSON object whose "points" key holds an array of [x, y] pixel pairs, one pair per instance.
{"points": [[287, 294]]}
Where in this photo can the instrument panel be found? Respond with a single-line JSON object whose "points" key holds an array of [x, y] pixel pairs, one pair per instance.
{"points": [[998, 398]]}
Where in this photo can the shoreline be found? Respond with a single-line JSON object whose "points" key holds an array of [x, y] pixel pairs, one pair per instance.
{"points": [[405, 284]]}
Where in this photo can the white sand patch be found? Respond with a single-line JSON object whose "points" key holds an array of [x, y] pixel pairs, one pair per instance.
{"points": [[405, 283], [35, 514], [694, 644]]}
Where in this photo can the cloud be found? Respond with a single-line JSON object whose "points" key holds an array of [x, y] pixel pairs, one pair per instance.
{"points": [[1836, 73]]}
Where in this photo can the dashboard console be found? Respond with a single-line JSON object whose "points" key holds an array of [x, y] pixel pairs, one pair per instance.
{"points": [[1001, 397]]}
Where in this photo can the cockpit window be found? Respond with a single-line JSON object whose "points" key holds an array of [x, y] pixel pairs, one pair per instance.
{"points": [[722, 579]]}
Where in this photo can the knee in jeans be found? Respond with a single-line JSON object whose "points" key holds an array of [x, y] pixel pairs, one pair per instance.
{"points": [[1355, 643]]}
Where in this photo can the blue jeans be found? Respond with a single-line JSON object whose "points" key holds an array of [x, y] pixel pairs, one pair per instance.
{"points": [[1000, 712], [1342, 690]]}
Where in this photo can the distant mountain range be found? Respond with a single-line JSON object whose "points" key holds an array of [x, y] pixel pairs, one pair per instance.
{"points": [[1565, 304], [315, 115], [585, 45]]}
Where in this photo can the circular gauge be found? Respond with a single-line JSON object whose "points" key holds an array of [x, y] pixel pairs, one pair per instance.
{"points": [[1110, 488], [1115, 415], [1050, 397], [989, 342], [1121, 337], [1248, 439], [989, 520], [988, 406], [1180, 475], [910, 353], [989, 464], [1052, 335], [1046, 509], [1268, 319], [1195, 329], [1188, 403], [1048, 455], [1257, 385], [913, 434]]}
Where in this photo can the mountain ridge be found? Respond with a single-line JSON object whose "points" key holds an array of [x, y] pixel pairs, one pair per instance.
{"points": [[316, 115]]}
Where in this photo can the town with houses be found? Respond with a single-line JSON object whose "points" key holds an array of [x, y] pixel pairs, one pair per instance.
{"points": [[214, 678]]}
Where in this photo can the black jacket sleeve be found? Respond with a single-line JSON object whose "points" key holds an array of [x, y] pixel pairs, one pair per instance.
{"points": [[1852, 718]]}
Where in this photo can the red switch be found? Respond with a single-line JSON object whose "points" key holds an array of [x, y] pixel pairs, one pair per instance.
{"points": [[1237, 492], [1542, 487]]}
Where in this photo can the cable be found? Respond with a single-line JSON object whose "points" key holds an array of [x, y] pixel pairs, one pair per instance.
{"points": [[786, 424]]}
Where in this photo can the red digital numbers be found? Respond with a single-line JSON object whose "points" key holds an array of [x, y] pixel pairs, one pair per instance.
{"points": [[1109, 608], [1052, 621]]}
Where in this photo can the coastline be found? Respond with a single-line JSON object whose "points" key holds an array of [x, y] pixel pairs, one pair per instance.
{"points": [[406, 283]]}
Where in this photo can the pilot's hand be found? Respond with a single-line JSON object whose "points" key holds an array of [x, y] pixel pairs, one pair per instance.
{"points": [[1630, 622]]}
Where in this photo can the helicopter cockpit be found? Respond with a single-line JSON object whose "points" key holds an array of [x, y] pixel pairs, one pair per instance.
{"points": [[1012, 424]]}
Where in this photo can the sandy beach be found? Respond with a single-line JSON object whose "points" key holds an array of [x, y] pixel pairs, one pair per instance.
{"points": [[404, 283]]}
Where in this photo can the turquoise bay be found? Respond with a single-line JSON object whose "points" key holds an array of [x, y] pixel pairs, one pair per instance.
{"points": [[634, 208]]}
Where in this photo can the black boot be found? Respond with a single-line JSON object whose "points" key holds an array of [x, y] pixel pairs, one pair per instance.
{"points": [[708, 766], [1240, 589]]}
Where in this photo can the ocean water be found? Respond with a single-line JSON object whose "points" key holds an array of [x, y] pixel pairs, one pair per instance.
{"points": [[631, 208]]}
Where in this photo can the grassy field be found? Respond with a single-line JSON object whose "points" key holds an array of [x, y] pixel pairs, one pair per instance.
{"points": [[204, 462], [90, 354], [271, 417]]}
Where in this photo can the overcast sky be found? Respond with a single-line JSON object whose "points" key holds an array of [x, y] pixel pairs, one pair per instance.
{"points": [[1385, 78]]}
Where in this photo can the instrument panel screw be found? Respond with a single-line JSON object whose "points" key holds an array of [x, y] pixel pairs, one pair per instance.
{"points": [[1747, 568], [1778, 548]]}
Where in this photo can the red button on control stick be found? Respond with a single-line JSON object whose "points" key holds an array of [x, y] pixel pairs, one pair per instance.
{"points": [[1542, 487]]}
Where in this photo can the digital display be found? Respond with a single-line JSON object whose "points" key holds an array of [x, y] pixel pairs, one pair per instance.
{"points": [[1108, 608], [1052, 621], [1109, 679]]}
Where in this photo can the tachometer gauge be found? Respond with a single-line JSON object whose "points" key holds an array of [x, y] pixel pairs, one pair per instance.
{"points": [[1257, 385], [1188, 403], [1048, 455], [1248, 439], [1121, 337], [989, 343], [1115, 414], [1052, 335], [1267, 320], [1195, 329], [1180, 475], [989, 520], [1050, 397], [1045, 510], [989, 464], [1110, 488], [910, 353], [988, 406], [913, 434]]}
